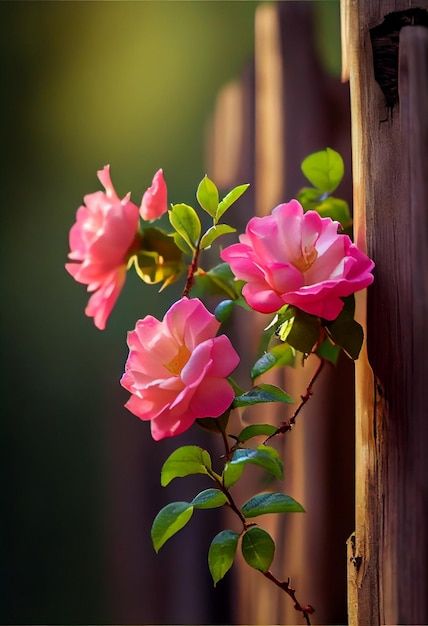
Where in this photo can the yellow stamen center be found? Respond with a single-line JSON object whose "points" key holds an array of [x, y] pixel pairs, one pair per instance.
{"points": [[179, 361], [306, 260]]}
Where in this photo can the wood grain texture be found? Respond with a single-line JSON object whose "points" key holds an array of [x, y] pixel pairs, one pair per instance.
{"points": [[283, 123], [269, 165], [318, 453], [388, 557], [259, 600], [225, 135], [288, 124], [413, 555]]}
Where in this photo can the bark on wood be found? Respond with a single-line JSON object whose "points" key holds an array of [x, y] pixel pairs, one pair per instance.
{"points": [[388, 555]]}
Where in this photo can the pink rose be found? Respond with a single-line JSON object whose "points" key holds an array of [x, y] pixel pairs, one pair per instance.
{"points": [[297, 258], [154, 202], [176, 369], [100, 240]]}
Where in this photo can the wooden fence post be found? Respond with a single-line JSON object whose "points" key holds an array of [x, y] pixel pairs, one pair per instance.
{"points": [[283, 123], [258, 601], [387, 62]]}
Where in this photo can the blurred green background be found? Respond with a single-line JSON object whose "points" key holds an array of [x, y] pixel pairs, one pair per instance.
{"points": [[85, 84]]}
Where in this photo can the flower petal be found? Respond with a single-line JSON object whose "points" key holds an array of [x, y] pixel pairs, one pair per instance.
{"points": [[212, 397], [292, 257], [261, 298], [223, 356], [189, 322], [101, 303], [173, 402], [154, 203], [100, 241], [198, 362]]}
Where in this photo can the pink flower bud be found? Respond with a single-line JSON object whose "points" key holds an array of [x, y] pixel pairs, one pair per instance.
{"points": [[297, 258], [154, 202], [100, 239], [176, 369]]}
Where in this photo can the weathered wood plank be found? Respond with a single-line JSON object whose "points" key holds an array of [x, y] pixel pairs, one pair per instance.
{"points": [[225, 135], [291, 122], [259, 599], [413, 556], [388, 558], [269, 165], [318, 453]]}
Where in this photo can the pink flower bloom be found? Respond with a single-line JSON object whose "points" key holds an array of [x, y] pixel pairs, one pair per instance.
{"points": [[297, 258], [154, 202], [176, 369], [100, 239]]}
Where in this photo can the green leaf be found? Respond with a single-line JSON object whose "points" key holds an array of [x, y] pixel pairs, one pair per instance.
{"points": [[153, 268], [172, 518], [349, 305], [185, 461], [347, 334], [222, 553], [209, 499], [181, 243], [283, 322], [304, 332], [266, 362], [336, 209], [219, 281], [263, 456], [284, 354], [228, 200], [266, 337], [258, 548], [223, 272], [285, 329], [324, 169], [207, 195], [285, 313], [224, 310], [264, 503], [278, 356], [254, 430], [186, 222], [156, 240], [159, 259], [146, 265], [223, 276], [309, 198], [232, 473], [214, 424], [262, 393], [207, 285], [329, 351], [214, 233]]}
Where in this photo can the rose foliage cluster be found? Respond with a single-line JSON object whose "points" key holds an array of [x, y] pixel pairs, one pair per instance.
{"points": [[297, 265]]}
